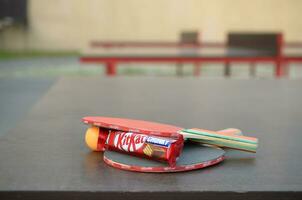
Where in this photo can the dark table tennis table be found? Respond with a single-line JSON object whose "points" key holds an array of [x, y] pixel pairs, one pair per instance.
{"points": [[44, 156]]}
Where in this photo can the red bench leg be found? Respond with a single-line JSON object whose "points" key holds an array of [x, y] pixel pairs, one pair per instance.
{"points": [[111, 68], [279, 69]]}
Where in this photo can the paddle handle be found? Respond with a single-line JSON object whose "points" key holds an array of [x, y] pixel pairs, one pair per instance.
{"points": [[229, 138]]}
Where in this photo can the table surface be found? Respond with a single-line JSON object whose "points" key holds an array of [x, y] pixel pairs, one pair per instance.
{"points": [[46, 151]]}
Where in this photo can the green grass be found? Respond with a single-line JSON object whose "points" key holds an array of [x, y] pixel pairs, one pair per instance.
{"points": [[34, 54], [51, 71]]}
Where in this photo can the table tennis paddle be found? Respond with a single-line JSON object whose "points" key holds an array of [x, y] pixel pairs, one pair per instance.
{"points": [[230, 138], [193, 157]]}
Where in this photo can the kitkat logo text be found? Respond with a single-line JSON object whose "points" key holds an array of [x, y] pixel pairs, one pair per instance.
{"points": [[128, 141]]}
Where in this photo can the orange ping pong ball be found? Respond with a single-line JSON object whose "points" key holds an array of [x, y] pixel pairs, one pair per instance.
{"points": [[91, 138]]}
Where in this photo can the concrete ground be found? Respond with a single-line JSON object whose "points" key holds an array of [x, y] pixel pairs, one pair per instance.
{"points": [[24, 81]]}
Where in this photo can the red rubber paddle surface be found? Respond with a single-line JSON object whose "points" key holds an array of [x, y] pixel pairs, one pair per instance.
{"points": [[132, 125]]}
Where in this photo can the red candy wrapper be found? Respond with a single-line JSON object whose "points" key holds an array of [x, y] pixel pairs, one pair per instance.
{"points": [[147, 146], [103, 134]]}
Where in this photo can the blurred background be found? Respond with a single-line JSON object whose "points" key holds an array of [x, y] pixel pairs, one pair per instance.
{"points": [[70, 24], [42, 40], [63, 28]]}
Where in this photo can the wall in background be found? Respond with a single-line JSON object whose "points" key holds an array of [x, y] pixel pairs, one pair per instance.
{"points": [[71, 24]]}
